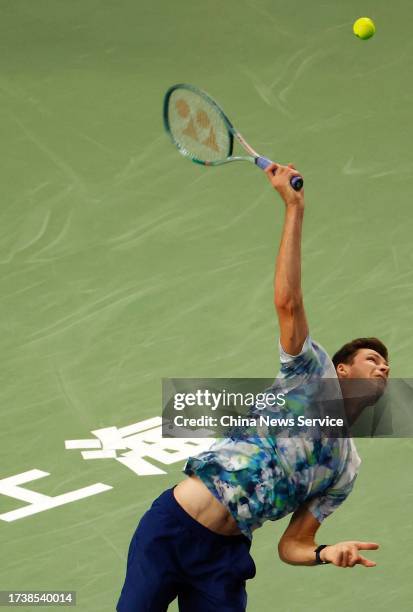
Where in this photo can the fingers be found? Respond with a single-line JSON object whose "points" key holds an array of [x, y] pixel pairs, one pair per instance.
{"points": [[346, 554], [280, 169], [271, 170], [366, 562], [366, 545], [280, 176], [353, 558]]}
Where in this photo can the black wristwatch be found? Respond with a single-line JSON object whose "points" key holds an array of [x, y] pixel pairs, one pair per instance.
{"points": [[317, 551]]}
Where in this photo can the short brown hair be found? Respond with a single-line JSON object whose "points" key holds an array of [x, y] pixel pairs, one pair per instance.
{"points": [[347, 352]]}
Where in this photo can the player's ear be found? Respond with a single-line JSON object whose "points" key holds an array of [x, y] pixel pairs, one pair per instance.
{"points": [[343, 370]]}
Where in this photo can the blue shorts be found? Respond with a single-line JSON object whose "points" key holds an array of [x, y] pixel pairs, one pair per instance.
{"points": [[172, 555]]}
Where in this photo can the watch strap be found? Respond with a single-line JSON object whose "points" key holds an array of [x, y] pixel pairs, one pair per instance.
{"points": [[317, 551]]}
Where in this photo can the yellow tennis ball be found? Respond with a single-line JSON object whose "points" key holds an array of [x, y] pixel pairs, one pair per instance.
{"points": [[364, 28]]}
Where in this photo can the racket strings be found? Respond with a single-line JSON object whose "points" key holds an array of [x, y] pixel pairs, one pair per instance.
{"points": [[197, 126]]}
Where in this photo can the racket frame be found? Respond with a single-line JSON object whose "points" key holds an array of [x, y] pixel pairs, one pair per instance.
{"points": [[232, 132], [253, 157]]}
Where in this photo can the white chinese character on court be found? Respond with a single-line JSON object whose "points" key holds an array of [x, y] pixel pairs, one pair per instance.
{"points": [[137, 442], [38, 502]]}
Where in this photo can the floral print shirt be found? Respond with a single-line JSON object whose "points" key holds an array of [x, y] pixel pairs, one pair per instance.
{"points": [[262, 477]]}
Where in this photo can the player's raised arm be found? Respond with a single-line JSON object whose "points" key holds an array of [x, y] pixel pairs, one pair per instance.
{"points": [[288, 297]]}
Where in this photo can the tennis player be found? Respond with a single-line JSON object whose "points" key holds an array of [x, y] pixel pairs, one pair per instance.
{"points": [[194, 541]]}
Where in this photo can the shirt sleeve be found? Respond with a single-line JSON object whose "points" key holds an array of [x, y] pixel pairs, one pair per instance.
{"points": [[322, 506], [307, 362], [287, 358]]}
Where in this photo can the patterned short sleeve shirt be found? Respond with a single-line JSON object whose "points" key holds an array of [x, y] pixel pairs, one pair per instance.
{"points": [[260, 478]]}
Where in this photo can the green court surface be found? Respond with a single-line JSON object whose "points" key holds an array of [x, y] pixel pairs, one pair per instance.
{"points": [[122, 263]]}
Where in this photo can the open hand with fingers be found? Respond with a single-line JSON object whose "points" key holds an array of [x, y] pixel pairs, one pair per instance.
{"points": [[347, 554], [280, 178]]}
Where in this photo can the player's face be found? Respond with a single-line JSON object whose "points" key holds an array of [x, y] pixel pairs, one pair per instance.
{"points": [[369, 364], [366, 364]]}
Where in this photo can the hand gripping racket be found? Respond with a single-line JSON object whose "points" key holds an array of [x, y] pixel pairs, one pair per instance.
{"points": [[202, 131]]}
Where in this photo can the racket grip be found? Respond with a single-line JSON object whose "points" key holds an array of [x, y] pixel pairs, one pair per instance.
{"points": [[263, 162], [296, 182]]}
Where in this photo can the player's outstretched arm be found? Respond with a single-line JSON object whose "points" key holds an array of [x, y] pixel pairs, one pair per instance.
{"points": [[297, 545], [288, 297]]}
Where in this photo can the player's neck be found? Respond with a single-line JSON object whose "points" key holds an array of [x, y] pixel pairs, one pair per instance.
{"points": [[357, 395], [353, 407]]}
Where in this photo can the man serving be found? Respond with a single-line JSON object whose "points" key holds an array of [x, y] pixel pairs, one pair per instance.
{"points": [[194, 541]]}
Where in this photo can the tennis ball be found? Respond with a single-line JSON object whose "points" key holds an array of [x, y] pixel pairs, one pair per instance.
{"points": [[364, 28]]}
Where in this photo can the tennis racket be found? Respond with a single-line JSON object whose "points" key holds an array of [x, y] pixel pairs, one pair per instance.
{"points": [[201, 130]]}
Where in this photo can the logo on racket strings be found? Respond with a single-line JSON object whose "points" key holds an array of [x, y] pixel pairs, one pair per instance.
{"points": [[196, 125]]}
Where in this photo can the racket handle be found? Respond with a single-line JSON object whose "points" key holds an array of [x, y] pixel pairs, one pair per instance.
{"points": [[296, 182], [263, 162]]}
